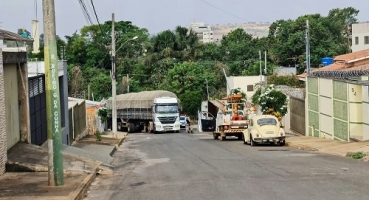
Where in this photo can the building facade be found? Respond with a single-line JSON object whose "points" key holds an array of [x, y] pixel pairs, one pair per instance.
{"points": [[205, 34], [360, 36]]}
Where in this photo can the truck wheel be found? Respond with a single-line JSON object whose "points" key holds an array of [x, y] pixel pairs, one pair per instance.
{"points": [[215, 136], [240, 137], [119, 126], [243, 138], [282, 143], [131, 128]]}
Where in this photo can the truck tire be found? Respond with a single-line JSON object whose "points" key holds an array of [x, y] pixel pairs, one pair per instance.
{"points": [[131, 128], [239, 137], [119, 126]]}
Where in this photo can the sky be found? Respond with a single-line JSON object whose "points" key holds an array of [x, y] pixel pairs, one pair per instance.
{"points": [[160, 15]]}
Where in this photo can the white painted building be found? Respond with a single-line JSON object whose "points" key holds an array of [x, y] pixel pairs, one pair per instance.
{"points": [[245, 83], [205, 34], [360, 36]]}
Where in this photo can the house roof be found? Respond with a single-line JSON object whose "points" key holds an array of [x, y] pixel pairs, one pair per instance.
{"points": [[352, 56], [340, 70], [7, 35]]}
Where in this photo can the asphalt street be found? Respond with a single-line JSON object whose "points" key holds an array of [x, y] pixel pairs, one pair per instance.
{"points": [[194, 166]]}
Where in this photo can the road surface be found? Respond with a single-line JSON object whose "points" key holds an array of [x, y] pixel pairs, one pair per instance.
{"points": [[194, 166]]}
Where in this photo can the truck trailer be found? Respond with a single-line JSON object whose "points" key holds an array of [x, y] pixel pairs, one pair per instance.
{"points": [[152, 111]]}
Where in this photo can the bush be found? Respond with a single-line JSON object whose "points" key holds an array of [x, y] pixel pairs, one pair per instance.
{"points": [[271, 101]]}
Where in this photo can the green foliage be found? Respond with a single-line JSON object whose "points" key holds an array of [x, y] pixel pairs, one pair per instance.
{"points": [[98, 136], [271, 101], [238, 91], [175, 60], [288, 80], [357, 155], [103, 114]]}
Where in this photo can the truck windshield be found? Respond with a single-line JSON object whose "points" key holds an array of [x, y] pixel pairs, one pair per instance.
{"points": [[166, 108], [267, 121]]}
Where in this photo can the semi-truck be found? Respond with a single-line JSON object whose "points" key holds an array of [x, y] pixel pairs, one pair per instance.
{"points": [[152, 111]]}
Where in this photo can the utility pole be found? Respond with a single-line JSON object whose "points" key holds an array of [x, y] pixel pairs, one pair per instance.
{"points": [[127, 83], [266, 74], [207, 88], [261, 74], [54, 140], [307, 48], [113, 80]]}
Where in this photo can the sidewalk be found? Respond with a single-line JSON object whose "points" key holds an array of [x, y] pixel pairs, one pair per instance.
{"points": [[327, 146], [27, 171]]}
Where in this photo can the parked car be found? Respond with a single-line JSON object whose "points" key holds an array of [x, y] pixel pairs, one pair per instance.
{"points": [[183, 122], [264, 129]]}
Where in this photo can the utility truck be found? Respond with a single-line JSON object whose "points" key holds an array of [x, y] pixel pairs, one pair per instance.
{"points": [[232, 117], [152, 111]]}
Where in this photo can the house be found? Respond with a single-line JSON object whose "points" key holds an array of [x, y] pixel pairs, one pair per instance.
{"points": [[37, 101], [360, 36], [337, 99], [14, 107]]}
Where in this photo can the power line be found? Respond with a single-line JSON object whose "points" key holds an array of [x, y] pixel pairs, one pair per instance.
{"points": [[93, 6], [85, 12], [223, 10]]}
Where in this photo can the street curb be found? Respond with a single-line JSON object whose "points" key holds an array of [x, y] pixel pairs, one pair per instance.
{"points": [[117, 146], [80, 192], [301, 147]]}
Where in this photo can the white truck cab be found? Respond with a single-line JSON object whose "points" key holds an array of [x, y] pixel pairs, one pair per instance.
{"points": [[166, 114]]}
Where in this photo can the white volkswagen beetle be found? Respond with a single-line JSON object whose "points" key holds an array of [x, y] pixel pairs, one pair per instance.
{"points": [[264, 129]]}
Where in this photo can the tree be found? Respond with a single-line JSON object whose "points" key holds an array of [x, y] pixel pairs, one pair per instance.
{"points": [[188, 81]]}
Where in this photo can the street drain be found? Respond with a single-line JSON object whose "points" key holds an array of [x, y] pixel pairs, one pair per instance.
{"points": [[273, 149]]}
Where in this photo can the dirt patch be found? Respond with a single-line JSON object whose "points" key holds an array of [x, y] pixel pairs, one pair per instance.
{"points": [[35, 184]]}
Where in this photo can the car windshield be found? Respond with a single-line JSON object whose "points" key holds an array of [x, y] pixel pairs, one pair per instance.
{"points": [[167, 108], [266, 121]]}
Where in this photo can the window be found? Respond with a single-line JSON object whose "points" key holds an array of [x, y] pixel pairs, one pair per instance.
{"points": [[366, 40], [356, 40], [250, 88]]}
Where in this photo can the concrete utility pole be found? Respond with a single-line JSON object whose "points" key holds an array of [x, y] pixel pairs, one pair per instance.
{"points": [[113, 80], [307, 48], [127, 83], [207, 88], [54, 140], [261, 73], [266, 74]]}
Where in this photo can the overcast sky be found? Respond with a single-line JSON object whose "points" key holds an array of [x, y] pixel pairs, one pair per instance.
{"points": [[159, 15]]}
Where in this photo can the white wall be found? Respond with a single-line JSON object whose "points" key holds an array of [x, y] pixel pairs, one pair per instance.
{"points": [[39, 67], [360, 30], [242, 82]]}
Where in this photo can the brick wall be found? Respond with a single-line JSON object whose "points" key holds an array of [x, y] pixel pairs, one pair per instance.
{"points": [[3, 149]]}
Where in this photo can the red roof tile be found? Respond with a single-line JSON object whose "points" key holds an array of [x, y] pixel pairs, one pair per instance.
{"points": [[352, 56]]}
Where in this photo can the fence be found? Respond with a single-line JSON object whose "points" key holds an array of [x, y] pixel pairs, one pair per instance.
{"points": [[297, 115]]}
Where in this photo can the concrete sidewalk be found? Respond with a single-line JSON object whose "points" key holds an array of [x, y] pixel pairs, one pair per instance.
{"points": [[27, 171], [327, 146]]}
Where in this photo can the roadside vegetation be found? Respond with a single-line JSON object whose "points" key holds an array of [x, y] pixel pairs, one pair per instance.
{"points": [[175, 60]]}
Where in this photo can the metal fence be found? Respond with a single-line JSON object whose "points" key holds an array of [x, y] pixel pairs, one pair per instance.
{"points": [[297, 115], [77, 120]]}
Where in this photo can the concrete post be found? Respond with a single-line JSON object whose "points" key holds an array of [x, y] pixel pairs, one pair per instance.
{"points": [[3, 145]]}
